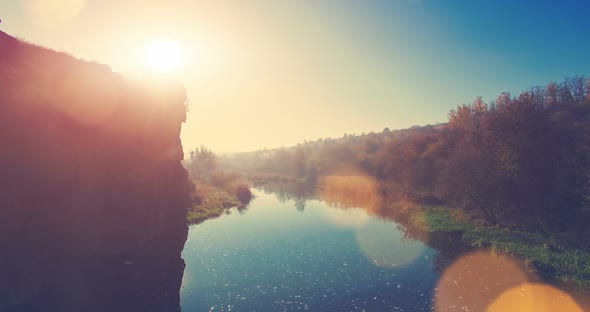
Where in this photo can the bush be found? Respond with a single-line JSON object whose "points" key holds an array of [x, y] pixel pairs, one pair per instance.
{"points": [[241, 190]]}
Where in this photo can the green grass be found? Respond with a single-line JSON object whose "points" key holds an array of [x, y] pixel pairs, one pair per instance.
{"points": [[551, 256], [215, 202]]}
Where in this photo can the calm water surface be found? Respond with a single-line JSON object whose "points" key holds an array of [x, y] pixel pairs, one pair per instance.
{"points": [[275, 257]]}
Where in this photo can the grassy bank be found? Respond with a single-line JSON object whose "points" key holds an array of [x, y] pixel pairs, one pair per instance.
{"points": [[212, 202], [216, 189], [550, 256]]}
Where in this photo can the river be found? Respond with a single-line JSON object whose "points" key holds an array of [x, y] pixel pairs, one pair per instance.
{"points": [[279, 256], [290, 251]]}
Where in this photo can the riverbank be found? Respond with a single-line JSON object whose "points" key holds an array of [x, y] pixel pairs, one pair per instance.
{"points": [[211, 202], [552, 256], [549, 255]]}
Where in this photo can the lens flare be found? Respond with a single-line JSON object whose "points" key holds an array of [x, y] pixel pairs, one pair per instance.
{"points": [[534, 298], [475, 280], [347, 217], [384, 245]]}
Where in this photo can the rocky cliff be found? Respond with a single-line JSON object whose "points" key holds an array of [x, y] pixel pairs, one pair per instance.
{"points": [[93, 196]]}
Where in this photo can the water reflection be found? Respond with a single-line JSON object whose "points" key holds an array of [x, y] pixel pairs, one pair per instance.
{"points": [[379, 241], [350, 191], [298, 192], [347, 237], [347, 218], [383, 244], [275, 258]]}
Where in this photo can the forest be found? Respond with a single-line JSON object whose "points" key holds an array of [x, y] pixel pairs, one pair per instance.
{"points": [[518, 161]]}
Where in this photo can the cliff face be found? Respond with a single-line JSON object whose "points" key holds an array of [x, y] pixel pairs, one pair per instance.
{"points": [[93, 196]]}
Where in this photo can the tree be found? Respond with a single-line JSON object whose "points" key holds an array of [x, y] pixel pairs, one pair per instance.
{"points": [[576, 88], [551, 94], [202, 163]]}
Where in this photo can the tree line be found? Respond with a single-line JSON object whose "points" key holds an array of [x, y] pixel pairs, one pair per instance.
{"points": [[516, 161]]}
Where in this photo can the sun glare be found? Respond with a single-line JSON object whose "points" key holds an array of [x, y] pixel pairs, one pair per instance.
{"points": [[163, 55]]}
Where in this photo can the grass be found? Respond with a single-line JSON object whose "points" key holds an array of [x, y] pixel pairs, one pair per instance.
{"points": [[214, 202], [552, 256]]}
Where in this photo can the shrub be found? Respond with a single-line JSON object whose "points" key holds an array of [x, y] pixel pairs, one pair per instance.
{"points": [[241, 190]]}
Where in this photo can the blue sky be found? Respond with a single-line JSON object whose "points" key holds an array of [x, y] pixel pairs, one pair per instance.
{"points": [[487, 46], [269, 73]]}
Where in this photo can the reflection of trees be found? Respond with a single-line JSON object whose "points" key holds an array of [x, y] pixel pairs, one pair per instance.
{"points": [[363, 192], [300, 204], [298, 192], [346, 192], [243, 208], [350, 191], [282, 197], [340, 191]]}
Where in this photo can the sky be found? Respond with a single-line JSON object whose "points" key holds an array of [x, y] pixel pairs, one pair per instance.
{"points": [[266, 73]]}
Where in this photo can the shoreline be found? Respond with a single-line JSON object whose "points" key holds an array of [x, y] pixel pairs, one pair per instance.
{"points": [[214, 202], [550, 256]]}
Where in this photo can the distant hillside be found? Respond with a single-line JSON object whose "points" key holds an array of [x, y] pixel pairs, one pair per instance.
{"points": [[265, 161], [84, 221], [517, 161]]}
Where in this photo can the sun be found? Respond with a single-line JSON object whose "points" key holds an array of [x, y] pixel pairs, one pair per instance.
{"points": [[163, 55]]}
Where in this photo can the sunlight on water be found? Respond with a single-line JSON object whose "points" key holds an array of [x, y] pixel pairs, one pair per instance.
{"points": [[534, 298], [383, 244], [275, 257], [381, 241], [347, 218]]}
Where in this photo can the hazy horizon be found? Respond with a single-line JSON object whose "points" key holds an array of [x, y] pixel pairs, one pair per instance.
{"points": [[271, 74]]}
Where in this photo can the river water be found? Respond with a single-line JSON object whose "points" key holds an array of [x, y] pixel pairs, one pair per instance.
{"points": [[290, 252], [279, 256]]}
